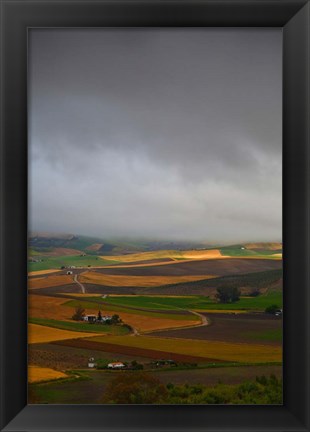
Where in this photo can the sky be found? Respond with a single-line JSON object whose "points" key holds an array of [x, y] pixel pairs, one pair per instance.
{"points": [[167, 134]]}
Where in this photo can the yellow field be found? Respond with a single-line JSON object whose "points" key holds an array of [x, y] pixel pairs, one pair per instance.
{"points": [[144, 323], [37, 373], [50, 281], [172, 254], [136, 281], [48, 307], [41, 334], [42, 272], [212, 349]]}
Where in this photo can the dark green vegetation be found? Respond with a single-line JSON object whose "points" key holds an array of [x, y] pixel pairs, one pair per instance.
{"points": [[82, 326], [272, 309], [273, 335], [228, 294], [139, 387]]}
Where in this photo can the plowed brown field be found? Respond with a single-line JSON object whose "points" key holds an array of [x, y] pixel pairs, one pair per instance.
{"points": [[134, 351], [50, 281], [211, 267]]}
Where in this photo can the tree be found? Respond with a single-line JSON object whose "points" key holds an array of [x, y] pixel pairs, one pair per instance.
{"points": [[228, 294], [135, 388], [99, 317], [272, 309], [254, 293], [79, 313], [115, 319]]}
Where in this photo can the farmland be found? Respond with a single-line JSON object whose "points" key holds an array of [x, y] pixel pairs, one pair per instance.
{"points": [[167, 305]]}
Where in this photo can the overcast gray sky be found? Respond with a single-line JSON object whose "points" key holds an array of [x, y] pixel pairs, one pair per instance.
{"points": [[156, 133]]}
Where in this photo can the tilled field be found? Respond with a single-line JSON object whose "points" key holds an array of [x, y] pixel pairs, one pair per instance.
{"points": [[244, 328], [134, 351], [216, 267]]}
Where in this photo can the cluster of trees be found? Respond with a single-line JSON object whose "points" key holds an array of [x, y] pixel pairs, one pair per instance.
{"points": [[228, 294], [143, 388]]}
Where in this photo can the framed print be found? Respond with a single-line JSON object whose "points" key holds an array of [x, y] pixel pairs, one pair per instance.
{"points": [[154, 236]]}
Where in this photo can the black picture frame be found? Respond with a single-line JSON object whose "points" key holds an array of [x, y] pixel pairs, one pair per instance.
{"points": [[19, 15]]}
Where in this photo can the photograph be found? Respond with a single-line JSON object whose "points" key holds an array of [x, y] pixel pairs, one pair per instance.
{"points": [[155, 272]]}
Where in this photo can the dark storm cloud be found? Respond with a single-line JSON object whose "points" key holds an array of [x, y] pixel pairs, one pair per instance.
{"points": [[156, 132]]}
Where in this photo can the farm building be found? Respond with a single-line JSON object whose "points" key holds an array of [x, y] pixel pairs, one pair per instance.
{"points": [[91, 362], [116, 365], [90, 318]]}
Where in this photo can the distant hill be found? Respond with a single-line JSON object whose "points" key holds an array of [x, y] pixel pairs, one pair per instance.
{"points": [[43, 243]]}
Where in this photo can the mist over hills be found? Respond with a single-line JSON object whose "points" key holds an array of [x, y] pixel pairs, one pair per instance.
{"points": [[44, 242]]}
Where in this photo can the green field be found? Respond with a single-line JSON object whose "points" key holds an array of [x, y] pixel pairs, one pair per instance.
{"points": [[81, 326], [271, 335], [76, 260], [258, 303], [101, 304], [236, 251], [193, 386]]}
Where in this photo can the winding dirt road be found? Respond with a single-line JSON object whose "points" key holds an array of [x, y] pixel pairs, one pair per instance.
{"points": [[83, 290]]}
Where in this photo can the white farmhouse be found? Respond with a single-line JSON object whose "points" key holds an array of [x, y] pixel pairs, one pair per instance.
{"points": [[116, 365]]}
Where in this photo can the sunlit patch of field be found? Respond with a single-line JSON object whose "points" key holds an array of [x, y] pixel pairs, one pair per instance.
{"points": [[145, 256], [37, 374], [50, 281], [42, 272], [267, 246], [170, 254], [41, 334], [226, 351], [144, 323], [48, 307], [135, 281], [203, 254]]}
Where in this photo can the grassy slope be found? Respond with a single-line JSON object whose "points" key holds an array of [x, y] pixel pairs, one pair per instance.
{"points": [[81, 326], [57, 262], [236, 251], [196, 302], [96, 303]]}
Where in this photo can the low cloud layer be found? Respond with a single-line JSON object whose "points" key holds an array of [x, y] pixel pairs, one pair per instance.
{"points": [[156, 133]]}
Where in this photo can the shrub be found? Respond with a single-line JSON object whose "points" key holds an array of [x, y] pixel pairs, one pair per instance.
{"points": [[79, 313], [135, 388], [228, 294], [272, 309]]}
